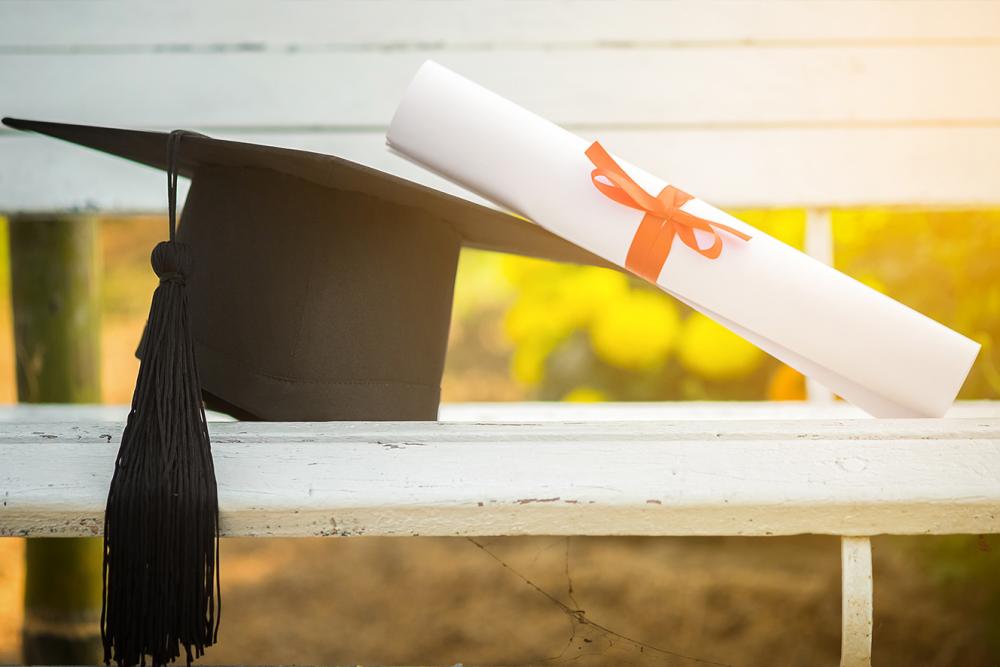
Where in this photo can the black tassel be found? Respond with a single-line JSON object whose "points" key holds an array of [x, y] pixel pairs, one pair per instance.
{"points": [[161, 567]]}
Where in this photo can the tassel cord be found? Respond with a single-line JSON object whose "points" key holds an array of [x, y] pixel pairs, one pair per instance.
{"points": [[161, 558]]}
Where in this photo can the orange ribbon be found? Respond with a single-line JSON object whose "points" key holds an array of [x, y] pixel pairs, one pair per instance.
{"points": [[664, 218]]}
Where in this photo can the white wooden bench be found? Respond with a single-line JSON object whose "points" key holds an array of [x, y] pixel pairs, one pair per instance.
{"points": [[749, 104], [536, 469]]}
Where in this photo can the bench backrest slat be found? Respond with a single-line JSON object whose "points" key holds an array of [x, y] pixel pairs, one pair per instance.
{"points": [[745, 103]]}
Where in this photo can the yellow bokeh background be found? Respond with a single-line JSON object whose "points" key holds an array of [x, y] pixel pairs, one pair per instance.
{"points": [[583, 333], [527, 329]]}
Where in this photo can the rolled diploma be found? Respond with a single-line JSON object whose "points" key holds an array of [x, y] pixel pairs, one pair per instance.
{"points": [[876, 353]]}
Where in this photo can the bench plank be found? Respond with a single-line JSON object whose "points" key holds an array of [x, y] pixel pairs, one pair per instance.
{"points": [[389, 24], [719, 477], [39, 174], [705, 88]]}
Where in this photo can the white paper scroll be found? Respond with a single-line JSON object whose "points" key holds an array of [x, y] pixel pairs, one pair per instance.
{"points": [[873, 351]]}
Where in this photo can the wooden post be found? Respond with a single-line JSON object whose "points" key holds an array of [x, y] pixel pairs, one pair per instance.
{"points": [[54, 284], [856, 602], [819, 245]]}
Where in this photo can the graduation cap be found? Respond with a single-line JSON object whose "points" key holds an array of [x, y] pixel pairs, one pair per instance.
{"points": [[308, 288]]}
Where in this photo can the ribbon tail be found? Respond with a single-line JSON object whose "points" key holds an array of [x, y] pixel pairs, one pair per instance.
{"points": [[650, 247], [735, 232]]}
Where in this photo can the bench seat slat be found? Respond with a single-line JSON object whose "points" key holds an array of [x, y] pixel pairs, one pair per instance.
{"points": [[727, 477]]}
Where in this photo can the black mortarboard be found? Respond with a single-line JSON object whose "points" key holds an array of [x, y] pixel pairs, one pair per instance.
{"points": [[322, 288], [308, 288]]}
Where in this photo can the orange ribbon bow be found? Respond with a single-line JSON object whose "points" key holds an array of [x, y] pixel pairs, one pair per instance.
{"points": [[664, 218]]}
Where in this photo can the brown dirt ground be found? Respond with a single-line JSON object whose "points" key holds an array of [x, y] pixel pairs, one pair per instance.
{"points": [[434, 601]]}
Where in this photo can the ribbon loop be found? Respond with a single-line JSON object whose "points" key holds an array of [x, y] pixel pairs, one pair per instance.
{"points": [[663, 221]]}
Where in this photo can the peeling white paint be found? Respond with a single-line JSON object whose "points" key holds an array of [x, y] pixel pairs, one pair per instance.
{"points": [[726, 477]]}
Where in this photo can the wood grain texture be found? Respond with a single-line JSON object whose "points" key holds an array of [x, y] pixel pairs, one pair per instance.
{"points": [[747, 169], [592, 88], [857, 604], [149, 25], [747, 104], [725, 477]]}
